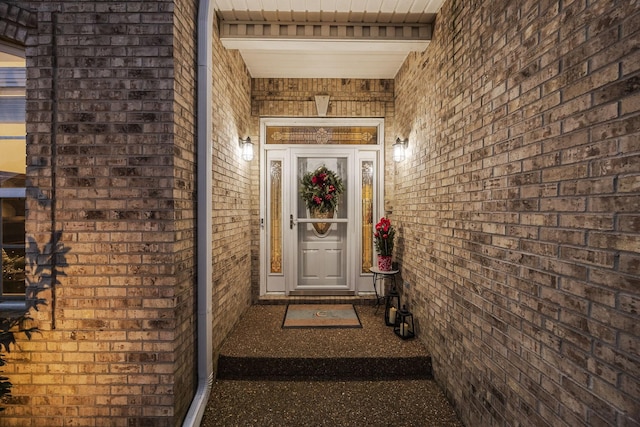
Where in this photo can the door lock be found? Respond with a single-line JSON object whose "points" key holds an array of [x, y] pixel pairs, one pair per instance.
{"points": [[291, 222]]}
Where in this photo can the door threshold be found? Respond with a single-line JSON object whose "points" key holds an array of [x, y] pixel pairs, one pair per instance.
{"points": [[317, 293], [317, 299]]}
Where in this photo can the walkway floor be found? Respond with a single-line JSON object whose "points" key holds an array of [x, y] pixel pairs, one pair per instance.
{"points": [[329, 396]]}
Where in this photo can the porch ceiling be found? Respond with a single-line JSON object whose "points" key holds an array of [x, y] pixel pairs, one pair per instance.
{"points": [[326, 38]]}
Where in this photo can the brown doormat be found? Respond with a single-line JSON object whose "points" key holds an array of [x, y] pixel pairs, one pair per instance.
{"points": [[321, 316]]}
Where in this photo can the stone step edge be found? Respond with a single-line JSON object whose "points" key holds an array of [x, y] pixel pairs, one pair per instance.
{"points": [[345, 368]]}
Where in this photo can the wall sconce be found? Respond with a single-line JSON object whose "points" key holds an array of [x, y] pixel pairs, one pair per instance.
{"points": [[399, 149], [247, 149]]}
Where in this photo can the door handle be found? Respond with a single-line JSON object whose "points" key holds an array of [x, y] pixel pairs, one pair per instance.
{"points": [[291, 222]]}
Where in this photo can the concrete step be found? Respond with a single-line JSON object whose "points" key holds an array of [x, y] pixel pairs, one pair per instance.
{"points": [[407, 403], [323, 368]]}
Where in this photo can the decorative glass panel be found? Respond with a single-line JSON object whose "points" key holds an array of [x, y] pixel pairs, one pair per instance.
{"points": [[343, 135], [275, 216], [367, 215]]}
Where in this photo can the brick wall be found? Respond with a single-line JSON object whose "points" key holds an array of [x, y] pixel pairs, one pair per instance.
{"points": [[15, 23], [111, 165], [519, 235], [232, 191]]}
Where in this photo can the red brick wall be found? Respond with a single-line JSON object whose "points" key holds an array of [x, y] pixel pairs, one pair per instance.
{"points": [[519, 234]]}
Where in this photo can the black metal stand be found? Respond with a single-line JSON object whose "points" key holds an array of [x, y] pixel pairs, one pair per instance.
{"points": [[381, 275]]}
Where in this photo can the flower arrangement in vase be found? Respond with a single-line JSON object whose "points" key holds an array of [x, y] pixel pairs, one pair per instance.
{"points": [[383, 238]]}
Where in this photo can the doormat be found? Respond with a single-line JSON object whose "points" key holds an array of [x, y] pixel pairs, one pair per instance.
{"points": [[321, 316]]}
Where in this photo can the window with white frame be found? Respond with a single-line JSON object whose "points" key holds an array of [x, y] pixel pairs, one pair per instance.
{"points": [[12, 171]]}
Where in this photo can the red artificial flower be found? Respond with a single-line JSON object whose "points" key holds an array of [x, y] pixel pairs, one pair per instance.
{"points": [[384, 236], [384, 224]]}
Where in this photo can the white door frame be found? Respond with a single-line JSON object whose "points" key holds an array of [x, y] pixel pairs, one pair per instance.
{"points": [[362, 281]]}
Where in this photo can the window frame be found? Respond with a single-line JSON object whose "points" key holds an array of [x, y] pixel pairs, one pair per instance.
{"points": [[13, 87]]}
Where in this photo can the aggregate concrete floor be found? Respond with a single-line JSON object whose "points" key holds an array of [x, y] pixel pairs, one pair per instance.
{"points": [[324, 400]]}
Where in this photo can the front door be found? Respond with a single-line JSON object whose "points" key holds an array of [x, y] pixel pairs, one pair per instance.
{"points": [[320, 246], [312, 251]]}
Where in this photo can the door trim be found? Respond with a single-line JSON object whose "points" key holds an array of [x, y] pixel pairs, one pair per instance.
{"points": [[362, 281]]}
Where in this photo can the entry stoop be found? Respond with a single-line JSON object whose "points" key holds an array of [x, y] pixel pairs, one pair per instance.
{"points": [[259, 348], [270, 376]]}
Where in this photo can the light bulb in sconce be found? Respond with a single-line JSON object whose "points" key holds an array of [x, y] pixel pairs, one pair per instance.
{"points": [[247, 149], [399, 149]]}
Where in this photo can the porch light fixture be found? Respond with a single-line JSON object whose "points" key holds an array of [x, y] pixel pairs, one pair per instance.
{"points": [[247, 149], [399, 149]]}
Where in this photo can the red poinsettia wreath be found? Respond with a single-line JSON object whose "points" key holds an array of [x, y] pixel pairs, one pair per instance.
{"points": [[384, 235], [321, 189]]}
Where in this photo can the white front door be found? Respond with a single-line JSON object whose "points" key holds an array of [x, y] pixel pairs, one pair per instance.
{"points": [[302, 254], [321, 249]]}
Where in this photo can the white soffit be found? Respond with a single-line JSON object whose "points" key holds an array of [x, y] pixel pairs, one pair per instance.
{"points": [[311, 50], [324, 58]]}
